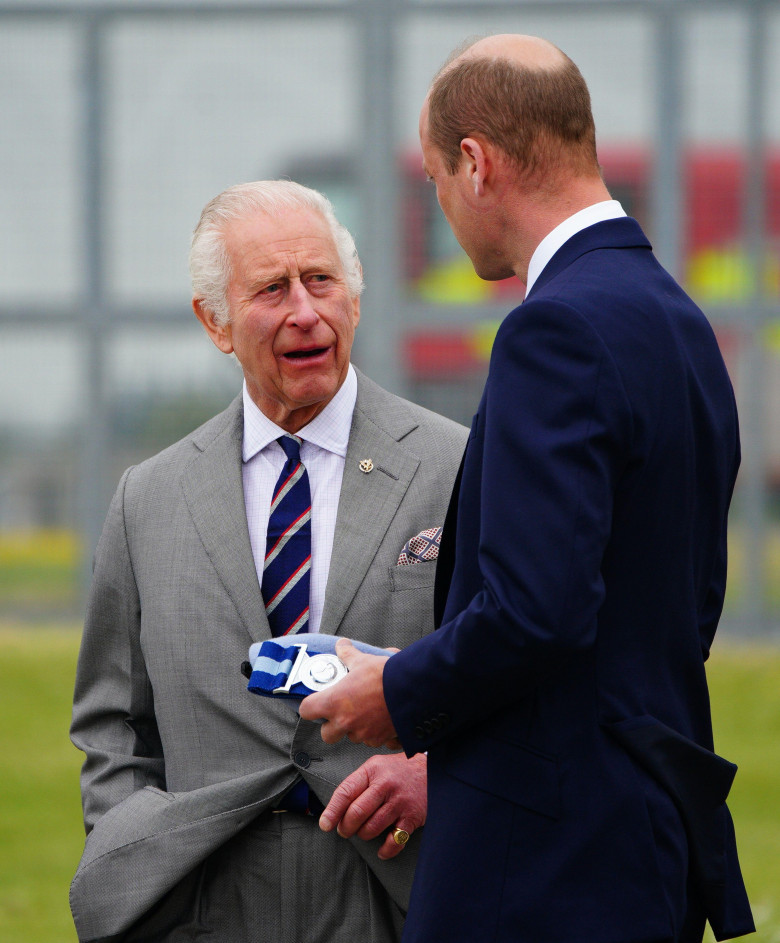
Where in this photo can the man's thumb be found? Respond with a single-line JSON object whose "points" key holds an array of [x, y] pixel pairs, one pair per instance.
{"points": [[346, 651]]}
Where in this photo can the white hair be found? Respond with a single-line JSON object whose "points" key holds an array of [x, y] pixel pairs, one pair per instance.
{"points": [[209, 259]]}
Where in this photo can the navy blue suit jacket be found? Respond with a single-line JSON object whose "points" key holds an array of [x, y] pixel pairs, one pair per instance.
{"points": [[573, 791]]}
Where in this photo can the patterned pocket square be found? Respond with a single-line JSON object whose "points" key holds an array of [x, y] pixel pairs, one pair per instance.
{"points": [[424, 546]]}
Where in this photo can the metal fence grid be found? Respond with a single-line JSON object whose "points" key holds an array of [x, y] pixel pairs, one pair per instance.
{"points": [[121, 119]]}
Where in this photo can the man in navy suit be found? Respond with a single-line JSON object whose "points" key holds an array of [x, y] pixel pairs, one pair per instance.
{"points": [[574, 794]]}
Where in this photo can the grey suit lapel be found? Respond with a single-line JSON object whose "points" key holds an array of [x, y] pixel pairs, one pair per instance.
{"points": [[368, 502], [214, 491]]}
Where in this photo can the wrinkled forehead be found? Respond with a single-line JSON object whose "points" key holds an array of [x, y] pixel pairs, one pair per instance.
{"points": [[294, 230]]}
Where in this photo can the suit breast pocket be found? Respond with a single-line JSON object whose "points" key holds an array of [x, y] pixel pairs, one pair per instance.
{"points": [[407, 609], [420, 576]]}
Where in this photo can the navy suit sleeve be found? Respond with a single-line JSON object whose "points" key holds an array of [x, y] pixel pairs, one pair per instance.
{"points": [[557, 429]]}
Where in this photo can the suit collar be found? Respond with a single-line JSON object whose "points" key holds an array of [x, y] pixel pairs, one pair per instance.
{"points": [[589, 216], [622, 233], [213, 488], [214, 491], [328, 430]]}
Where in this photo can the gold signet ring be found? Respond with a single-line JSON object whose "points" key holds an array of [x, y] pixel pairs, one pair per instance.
{"points": [[400, 836]]}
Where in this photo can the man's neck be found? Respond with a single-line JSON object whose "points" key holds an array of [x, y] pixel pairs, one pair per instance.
{"points": [[539, 213], [565, 230]]}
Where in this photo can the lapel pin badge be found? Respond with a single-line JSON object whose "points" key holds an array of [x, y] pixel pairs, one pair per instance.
{"points": [[366, 466]]}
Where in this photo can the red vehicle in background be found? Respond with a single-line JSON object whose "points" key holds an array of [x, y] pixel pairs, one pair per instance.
{"points": [[715, 269], [715, 262]]}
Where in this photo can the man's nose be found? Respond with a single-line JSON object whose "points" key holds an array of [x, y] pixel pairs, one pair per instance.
{"points": [[302, 313]]}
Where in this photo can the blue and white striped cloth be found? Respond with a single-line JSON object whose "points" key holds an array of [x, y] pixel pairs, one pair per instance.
{"points": [[273, 660]]}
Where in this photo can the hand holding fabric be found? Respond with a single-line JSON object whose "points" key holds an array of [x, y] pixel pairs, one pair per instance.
{"points": [[355, 707]]}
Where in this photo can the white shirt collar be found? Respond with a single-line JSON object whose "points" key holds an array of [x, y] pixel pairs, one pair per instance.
{"points": [[328, 430], [597, 213]]}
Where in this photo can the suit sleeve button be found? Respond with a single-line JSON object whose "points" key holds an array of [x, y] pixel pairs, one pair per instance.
{"points": [[419, 733], [443, 719]]}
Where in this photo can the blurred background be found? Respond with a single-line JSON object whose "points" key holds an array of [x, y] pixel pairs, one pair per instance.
{"points": [[121, 118]]}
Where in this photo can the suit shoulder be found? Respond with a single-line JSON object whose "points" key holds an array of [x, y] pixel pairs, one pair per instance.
{"points": [[430, 422], [402, 418], [169, 463], [439, 441]]}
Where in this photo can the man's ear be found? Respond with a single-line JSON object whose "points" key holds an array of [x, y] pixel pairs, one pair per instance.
{"points": [[477, 165], [219, 333]]}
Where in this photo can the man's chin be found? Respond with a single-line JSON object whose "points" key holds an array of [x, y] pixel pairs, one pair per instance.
{"points": [[307, 398], [492, 271]]}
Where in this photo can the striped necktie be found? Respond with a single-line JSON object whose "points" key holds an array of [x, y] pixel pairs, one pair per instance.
{"points": [[287, 566]]}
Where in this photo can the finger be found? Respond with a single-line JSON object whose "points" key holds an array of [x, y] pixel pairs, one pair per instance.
{"points": [[360, 812], [331, 732], [347, 651], [390, 847], [343, 797], [368, 813], [384, 817], [309, 708]]}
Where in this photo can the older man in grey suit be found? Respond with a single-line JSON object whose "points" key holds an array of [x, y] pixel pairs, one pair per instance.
{"points": [[198, 796]]}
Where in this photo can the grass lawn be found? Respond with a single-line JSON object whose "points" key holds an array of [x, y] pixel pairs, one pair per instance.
{"points": [[40, 817], [745, 692], [41, 835]]}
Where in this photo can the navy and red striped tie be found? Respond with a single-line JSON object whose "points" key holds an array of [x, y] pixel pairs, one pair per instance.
{"points": [[287, 567]]}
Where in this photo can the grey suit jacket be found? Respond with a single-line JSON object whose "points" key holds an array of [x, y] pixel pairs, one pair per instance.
{"points": [[179, 756]]}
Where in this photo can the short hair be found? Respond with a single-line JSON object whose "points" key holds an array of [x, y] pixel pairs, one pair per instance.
{"points": [[540, 118], [209, 259]]}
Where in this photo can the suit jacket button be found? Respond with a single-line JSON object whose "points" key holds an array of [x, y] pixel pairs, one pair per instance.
{"points": [[302, 759]]}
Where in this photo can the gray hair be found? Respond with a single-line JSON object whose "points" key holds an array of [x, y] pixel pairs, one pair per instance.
{"points": [[209, 259]]}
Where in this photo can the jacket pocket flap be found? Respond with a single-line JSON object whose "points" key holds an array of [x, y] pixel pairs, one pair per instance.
{"points": [[697, 780], [691, 774], [413, 576], [510, 771]]}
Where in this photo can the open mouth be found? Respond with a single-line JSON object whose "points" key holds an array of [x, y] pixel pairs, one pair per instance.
{"points": [[305, 354]]}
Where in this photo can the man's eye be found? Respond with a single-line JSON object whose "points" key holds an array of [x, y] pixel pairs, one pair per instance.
{"points": [[320, 278], [272, 288]]}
